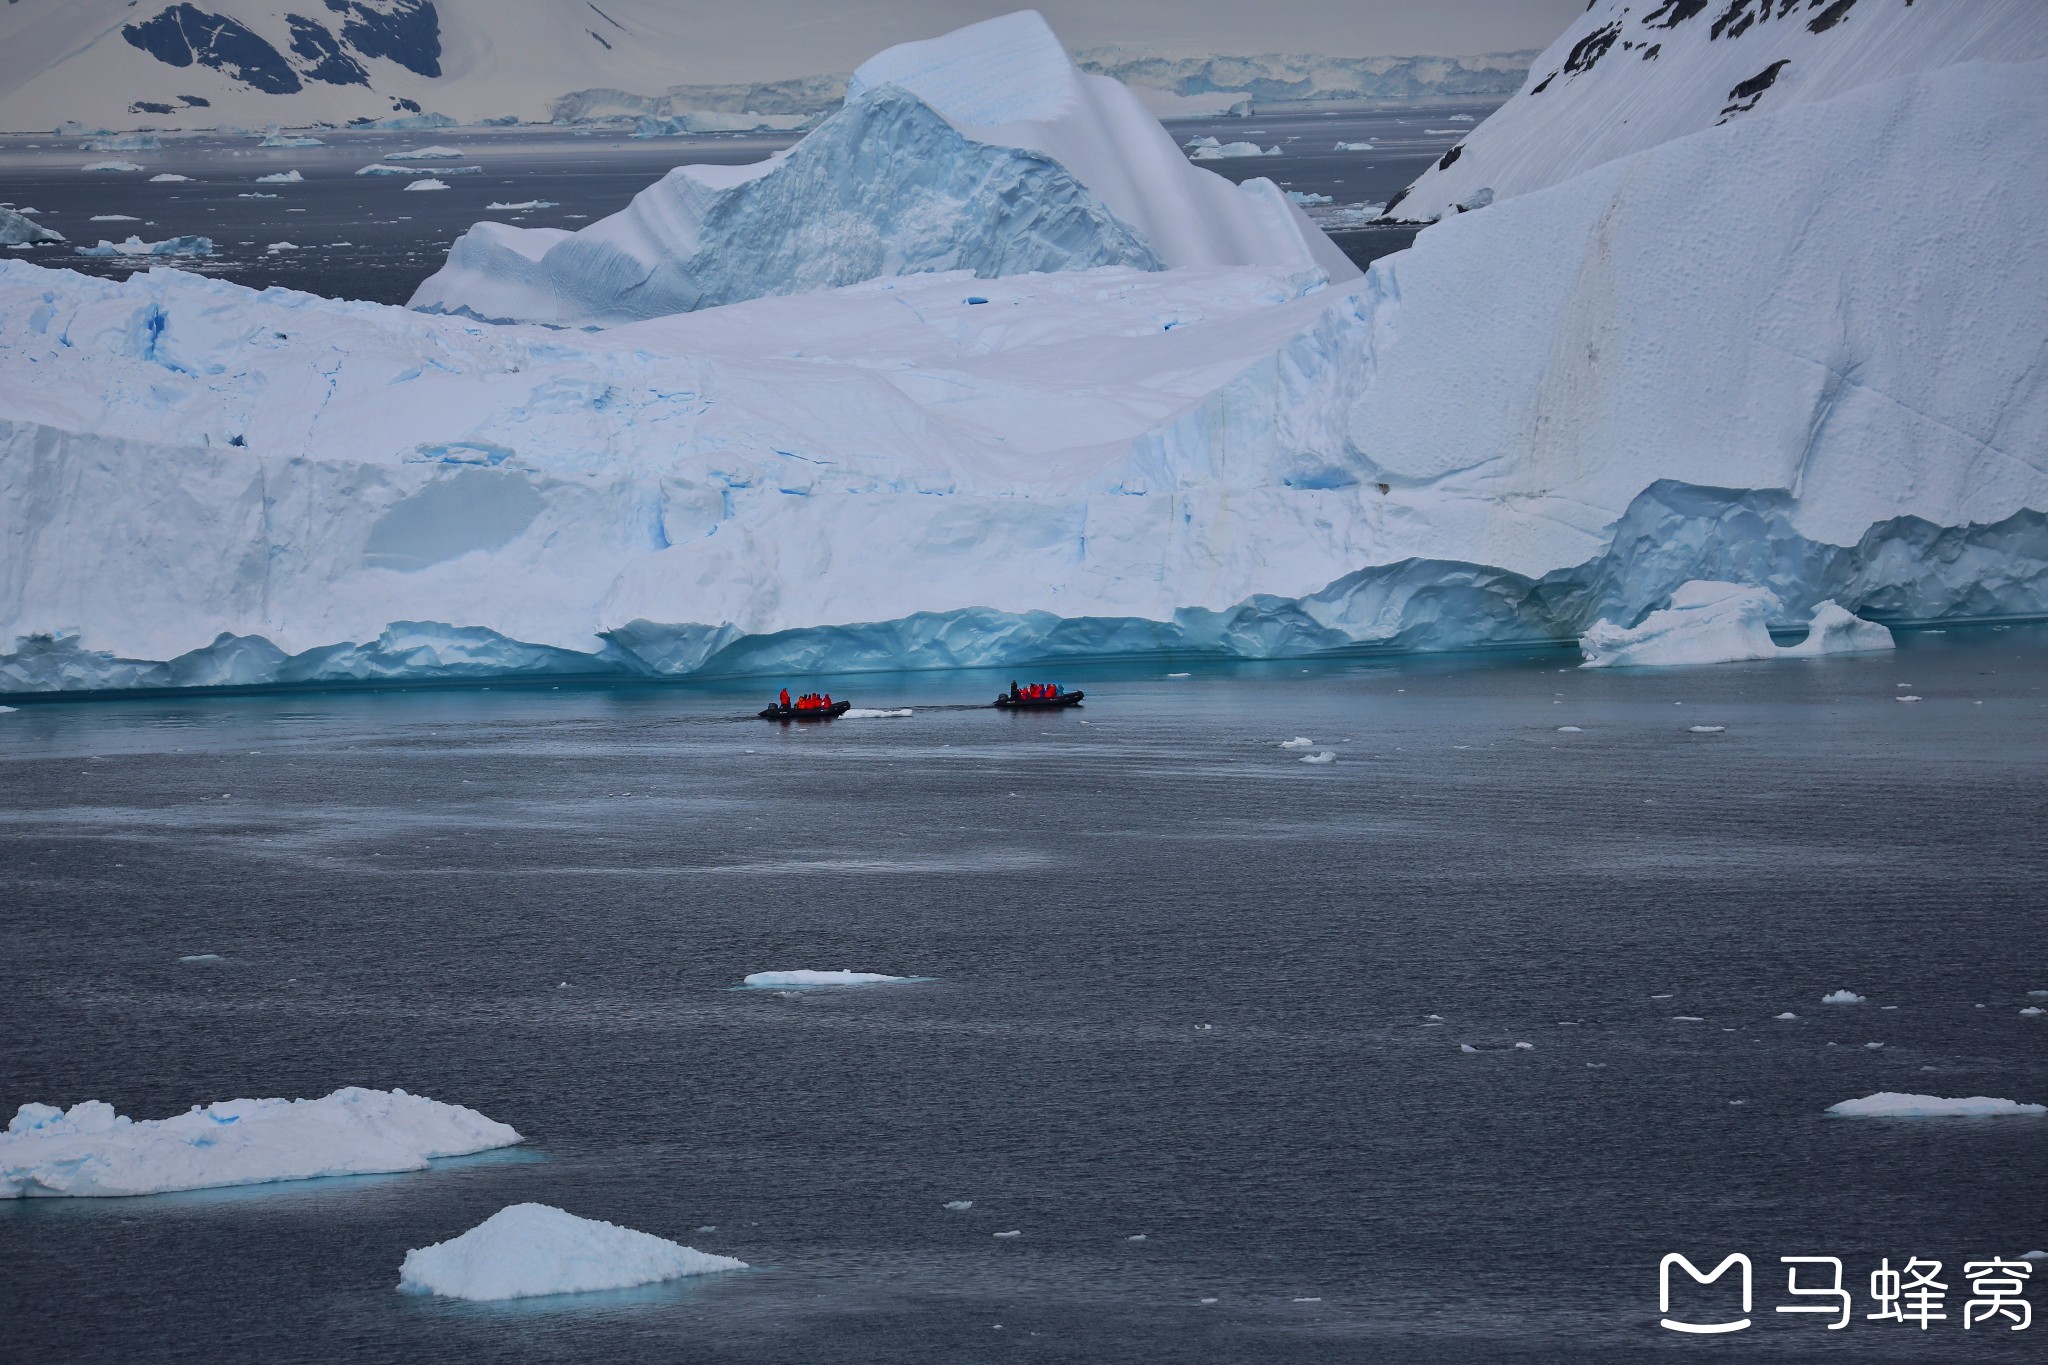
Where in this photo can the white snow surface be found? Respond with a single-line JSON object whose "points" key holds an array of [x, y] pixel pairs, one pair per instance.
{"points": [[89, 1150], [805, 977], [1889, 1104], [1098, 461], [1713, 623], [527, 1250], [1631, 74], [985, 149]]}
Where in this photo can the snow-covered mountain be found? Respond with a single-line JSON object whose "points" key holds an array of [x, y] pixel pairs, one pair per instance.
{"points": [[1555, 411], [985, 150], [1630, 74], [202, 63]]}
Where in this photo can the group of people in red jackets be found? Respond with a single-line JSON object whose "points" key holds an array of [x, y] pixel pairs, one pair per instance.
{"points": [[809, 701], [1035, 691]]}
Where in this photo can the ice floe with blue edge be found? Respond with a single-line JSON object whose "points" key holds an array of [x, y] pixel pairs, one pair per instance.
{"points": [[1889, 1104], [90, 1150]]}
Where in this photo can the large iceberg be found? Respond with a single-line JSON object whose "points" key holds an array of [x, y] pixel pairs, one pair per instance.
{"points": [[88, 1149], [985, 150], [1630, 74], [1560, 409], [528, 1250]]}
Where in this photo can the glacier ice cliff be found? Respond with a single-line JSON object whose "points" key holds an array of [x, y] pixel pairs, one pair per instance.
{"points": [[1626, 76], [984, 150], [1801, 351], [1717, 623]]}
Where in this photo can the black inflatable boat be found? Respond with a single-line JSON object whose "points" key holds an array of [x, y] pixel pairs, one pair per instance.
{"points": [[1010, 703], [805, 713]]}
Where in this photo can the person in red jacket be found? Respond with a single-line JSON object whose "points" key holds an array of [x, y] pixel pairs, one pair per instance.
{"points": [[785, 699]]}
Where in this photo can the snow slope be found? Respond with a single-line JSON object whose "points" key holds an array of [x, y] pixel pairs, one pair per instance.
{"points": [[1560, 409], [1630, 74], [532, 1249], [90, 1150], [984, 150]]}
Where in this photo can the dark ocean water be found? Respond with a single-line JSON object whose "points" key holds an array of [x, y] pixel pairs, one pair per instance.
{"points": [[1181, 988], [368, 237]]}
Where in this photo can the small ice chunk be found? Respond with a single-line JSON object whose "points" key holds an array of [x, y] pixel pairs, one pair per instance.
{"points": [[2034, 1255], [1842, 998], [1324, 757], [1708, 729], [1013, 1232], [1687, 1019], [277, 247], [1352, 147], [1890, 1104], [2039, 995], [201, 957], [1298, 742], [866, 713], [1433, 1016], [429, 154], [2031, 1010], [1525, 1047], [1788, 1014], [1570, 730], [1908, 697], [168, 179], [281, 178], [521, 207], [804, 977], [428, 185], [1467, 1047], [122, 166], [1135, 1237], [1177, 675], [1873, 1046], [113, 218], [532, 1249], [959, 1205]]}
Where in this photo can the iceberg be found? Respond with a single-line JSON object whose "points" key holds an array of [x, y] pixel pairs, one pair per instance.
{"points": [[427, 154], [281, 178], [1843, 998], [984, 150], [1227, 151], [773, 980], [169, 178], [1706, 623], [89, 1150], [528, 1250], [16, 229], [428, 185], [1538, 417], [1713, 623], [1892, 1105], [135, 246]]}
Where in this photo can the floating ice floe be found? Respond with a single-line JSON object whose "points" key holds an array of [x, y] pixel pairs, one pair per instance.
{"points": [[255, 194], [122, 166], [2031, 1010], [1307, 200], [1230, 151], [1874, 1047], [381, 168], [288, 140], [867, 713], [2034, 1255], [1843, 998], [1707, 729], [1908, 697], [281, 178], [277, 247], [1786, 1015], [518, 208], [113, 218], [427, 185], [201, 957], [958, 1205], [1570, 730], [1889, 1104], [168, 178], [771, 980], [1298, 742], [528, 1250], [1353, 147], [428, 154], [1710, 622], [1324, 757], [89, 1150], [1014, 1232], [135, 246]]}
